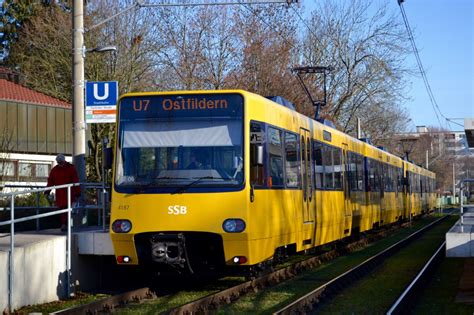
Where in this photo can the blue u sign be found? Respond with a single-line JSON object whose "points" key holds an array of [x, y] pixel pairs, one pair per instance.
{"points": [[101, 93]]}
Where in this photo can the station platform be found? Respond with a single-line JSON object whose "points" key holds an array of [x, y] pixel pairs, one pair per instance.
{"points": [[40, 264], [460, 238]]}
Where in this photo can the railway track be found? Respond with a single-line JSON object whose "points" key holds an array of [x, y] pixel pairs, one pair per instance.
{"points": [[223, 297], [313, 299], [107, 305], [403, 303]]}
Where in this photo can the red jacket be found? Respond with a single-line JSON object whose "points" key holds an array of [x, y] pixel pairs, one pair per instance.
{"points": [[60, 175]]}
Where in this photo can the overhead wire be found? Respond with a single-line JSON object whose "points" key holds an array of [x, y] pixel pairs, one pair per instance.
{"points": [[310, 30], [432, 98]]}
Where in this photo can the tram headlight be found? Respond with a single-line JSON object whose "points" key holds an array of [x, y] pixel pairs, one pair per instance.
{"points": [[121, 226], [233, 225]]}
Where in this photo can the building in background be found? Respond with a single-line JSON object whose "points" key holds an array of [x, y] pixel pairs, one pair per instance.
{"points": [[445, 152], [34, 128]]}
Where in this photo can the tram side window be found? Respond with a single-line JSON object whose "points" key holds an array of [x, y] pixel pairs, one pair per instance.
{"points": [[352, 159], [371, 175], [275, 148], [319, 166], [257, 137], [332, 163], [388, 175], [360, 172], [338, 168], [377, 177], [385, 176], [328, 168], [291, 160], [399, 180], [374, 175]]}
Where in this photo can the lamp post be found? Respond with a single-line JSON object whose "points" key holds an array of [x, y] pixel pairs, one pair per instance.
{"points": [[79, 54]]}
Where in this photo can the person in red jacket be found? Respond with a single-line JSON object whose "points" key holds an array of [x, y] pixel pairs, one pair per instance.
{"points": [[61, 174]]}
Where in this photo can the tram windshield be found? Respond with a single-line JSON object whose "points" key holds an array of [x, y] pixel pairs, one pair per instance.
{"points": [[180, 143]]}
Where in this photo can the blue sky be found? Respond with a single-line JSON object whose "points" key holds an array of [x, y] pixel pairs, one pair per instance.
{"points": [[444, 35]]}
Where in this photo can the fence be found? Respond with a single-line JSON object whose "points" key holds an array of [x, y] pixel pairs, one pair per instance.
{"points": [[13, 221], [99, 203]]}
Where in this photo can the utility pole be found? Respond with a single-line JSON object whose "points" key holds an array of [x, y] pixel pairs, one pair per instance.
{"points": [[78, 125], [454, 185], [427, 163], [359, 130]]}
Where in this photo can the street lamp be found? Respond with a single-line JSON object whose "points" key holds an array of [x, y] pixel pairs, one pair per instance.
{"points": [[102, 49]]}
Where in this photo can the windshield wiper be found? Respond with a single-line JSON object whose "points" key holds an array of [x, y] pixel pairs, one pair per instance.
{"points": [[141, 186], [185, 187]]}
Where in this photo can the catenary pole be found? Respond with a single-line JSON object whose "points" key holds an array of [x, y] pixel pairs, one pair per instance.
{"points": [[79, 125], [454, 186]]}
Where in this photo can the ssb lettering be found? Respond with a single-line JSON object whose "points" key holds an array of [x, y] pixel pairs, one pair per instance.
{"points": [[177, 210]]}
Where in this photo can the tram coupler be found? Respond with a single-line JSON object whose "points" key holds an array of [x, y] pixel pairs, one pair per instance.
{"points": [[170, 249]]}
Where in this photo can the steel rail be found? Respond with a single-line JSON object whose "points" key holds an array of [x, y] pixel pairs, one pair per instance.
{"points": [[110, 303], [406, 297], [307, 302], [214, 301], [209, 302]]}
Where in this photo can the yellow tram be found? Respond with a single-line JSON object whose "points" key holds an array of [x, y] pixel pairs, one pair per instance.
{"points": [[206, 179]]}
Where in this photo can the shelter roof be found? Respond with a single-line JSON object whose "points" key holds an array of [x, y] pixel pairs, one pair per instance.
{"points": [[13, 92]]}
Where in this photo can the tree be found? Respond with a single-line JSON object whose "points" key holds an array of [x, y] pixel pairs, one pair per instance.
{"points": [[43, 55], [366, 52], [131, 65], [42, 52]]}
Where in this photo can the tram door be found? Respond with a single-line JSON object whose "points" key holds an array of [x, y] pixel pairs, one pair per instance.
{"points": [[306, 176]]}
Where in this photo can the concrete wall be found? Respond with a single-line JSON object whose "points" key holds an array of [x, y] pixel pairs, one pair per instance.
{"points": [[39, 269], [460, 239]]}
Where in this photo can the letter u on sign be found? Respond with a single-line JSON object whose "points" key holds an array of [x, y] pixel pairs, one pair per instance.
{"points": [[101, 93], [96, 92]]}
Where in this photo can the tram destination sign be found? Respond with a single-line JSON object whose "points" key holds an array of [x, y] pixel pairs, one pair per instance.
{"points": [[173, 106], [101, 102]]}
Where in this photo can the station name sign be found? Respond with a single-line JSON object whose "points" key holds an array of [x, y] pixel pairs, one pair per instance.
{"points": [[101, 101]]}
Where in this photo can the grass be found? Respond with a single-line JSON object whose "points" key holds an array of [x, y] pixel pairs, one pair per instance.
{"points": [[46, 308], [439, 295], [263, 302], [376, 292], [274, 298], [168, 302]]}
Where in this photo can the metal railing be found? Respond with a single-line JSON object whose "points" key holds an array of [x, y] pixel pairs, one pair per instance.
{"points": [[12, 221], [461, 197], [101, 202]]}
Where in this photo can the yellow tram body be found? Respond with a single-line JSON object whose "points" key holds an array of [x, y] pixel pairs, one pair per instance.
{"points": [[314, 187]]}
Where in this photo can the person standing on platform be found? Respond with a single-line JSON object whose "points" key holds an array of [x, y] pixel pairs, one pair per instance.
{"points": [[63, 173]]}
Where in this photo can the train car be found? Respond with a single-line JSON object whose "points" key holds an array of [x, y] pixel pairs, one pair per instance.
{"points": [[209, 179]]}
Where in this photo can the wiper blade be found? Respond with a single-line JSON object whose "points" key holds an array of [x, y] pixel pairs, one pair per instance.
{"points": [[168, 177], [185, 187], [141, 185]]}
